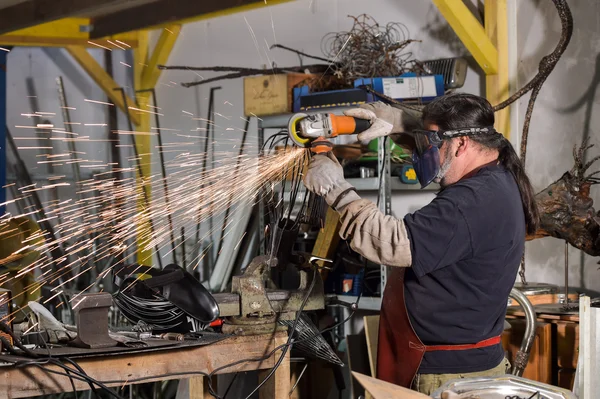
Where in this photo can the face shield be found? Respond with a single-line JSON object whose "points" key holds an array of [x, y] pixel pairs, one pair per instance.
{"points": [[425, 148]]}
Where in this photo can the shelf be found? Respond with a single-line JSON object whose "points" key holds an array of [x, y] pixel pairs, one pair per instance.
{"points": [[372, 184], [365, 303]]}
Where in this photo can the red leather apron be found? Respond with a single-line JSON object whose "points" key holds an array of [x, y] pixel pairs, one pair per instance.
{"points": [[400, 351]]}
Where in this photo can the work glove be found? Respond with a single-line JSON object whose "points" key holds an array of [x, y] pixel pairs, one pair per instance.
{"points": [[385, 120], [325, 177]]}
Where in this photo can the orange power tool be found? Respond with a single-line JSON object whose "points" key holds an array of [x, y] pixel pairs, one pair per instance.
{"points": [[312, 131]]}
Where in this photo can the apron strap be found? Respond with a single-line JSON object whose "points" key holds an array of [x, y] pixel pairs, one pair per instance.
{"points": [[481, 344]]}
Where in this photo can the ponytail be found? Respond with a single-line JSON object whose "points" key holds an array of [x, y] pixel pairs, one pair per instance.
{"points": [[511, 162], [463, 110]]}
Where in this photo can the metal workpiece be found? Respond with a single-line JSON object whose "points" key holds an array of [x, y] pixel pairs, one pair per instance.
{"points": [[91, 313], [522, 356]]}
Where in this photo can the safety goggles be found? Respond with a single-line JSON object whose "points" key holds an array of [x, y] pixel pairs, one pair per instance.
{"points": [[422, 140]]}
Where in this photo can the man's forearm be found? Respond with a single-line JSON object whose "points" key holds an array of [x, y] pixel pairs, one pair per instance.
{"points": [[379, 238]]}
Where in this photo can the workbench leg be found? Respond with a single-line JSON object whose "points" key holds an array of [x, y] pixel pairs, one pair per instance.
{"points": [[278, 386], [198, 387]]}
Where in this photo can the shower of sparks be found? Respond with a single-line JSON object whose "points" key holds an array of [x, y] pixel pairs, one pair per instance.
{"points": [[98, 102], [103, 221], [99, 45], [123, 43]]}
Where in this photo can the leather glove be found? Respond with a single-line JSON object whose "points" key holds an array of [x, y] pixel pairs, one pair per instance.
{"points": [[385, 120], [325, 177]]}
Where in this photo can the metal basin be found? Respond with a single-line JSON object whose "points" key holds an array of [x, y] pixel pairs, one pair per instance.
{"points": [[509, 386]]}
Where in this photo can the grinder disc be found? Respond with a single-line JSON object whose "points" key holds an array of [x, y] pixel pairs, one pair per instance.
{"points": [[293, 130]]}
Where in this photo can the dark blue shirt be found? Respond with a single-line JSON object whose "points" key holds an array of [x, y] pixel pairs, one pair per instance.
{"points": [[466, 249]]}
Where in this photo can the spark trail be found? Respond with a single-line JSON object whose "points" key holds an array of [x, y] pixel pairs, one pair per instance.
{"points": [[102, 223]]}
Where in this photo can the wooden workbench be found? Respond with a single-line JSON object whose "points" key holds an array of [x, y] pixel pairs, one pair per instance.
{"points": [[33, 381]]}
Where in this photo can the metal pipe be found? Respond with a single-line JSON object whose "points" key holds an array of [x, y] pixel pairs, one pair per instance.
{"points": [[522, 356]]}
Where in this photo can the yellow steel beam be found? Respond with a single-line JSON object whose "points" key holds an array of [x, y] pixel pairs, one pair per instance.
{"points": [[470, 32], [65, 32], [497, 85], [143, 144], [99, 75], [160, 55]]}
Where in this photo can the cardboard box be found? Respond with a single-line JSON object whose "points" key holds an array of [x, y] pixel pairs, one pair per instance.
{"points": [[270, 94]]}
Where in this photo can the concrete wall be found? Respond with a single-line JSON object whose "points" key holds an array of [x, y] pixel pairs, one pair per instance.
{"points": [[566, 112]]}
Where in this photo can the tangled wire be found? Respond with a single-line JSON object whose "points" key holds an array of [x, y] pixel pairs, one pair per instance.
{"points": [[369, 50]]}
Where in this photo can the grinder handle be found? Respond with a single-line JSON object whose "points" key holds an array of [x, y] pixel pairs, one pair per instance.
{"points": [[348, 125]]}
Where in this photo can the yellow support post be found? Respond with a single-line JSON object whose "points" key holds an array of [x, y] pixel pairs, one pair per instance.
{"points": [[470, 32], [144, 147], [160, 55], [497, 85], [99, 75], [65, 32]]}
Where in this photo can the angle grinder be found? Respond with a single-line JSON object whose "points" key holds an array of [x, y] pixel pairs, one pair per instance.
{"points": [[313, 131]]}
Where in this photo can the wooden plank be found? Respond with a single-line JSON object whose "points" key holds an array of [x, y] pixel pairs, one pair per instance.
{"points": [[566, 378], [384, 390], [372, 335], [156, 366], [278, 386], [567, 344], [198, 388]]}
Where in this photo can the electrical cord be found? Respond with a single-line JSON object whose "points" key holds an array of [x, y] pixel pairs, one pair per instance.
{"points": [[38, 360], [291, 336]]}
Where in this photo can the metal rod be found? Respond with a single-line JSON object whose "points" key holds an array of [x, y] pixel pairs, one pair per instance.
{"points": [[114, 140], [62, 96], [567, 305], [183, 257], [163, 170], [67, 125], [299, 378], [139, 169], [522, 356], [211, 100], [230, 200]]}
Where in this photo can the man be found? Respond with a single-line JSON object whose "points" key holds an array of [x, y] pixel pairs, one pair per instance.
{"points": [[456, 259]]}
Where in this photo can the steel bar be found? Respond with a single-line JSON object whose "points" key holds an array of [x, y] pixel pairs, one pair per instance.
{"points": [[139, 170], [163, 170], [211, 100]]}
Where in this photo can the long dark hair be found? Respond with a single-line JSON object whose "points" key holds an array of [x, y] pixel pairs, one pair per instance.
{"points": [[462, 110]]}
